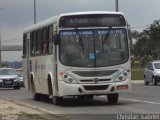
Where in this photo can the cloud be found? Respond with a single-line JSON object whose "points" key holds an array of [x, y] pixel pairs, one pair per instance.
{"points": [[18, 14], [62, 6], [140, 12]]}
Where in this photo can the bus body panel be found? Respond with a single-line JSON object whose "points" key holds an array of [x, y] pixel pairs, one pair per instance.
{"points": [[41, 69]]}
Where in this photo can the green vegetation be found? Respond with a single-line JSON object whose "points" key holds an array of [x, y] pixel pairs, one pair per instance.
{"points": [[137, 73], [147, 45], [145, 49], [24, 115], [10, 108]]}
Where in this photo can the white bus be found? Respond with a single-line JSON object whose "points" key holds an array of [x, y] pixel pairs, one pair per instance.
{"points": [[81, 54]]}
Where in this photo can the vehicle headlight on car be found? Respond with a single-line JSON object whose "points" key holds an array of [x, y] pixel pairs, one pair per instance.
{"points": [[16, 79], [157, 74], [68, 79]]}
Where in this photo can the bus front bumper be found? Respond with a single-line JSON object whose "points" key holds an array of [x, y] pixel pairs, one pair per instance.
{"points": [[66, 89]]}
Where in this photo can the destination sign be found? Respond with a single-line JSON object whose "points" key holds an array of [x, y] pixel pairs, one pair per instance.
{"points": [[100, 20]]}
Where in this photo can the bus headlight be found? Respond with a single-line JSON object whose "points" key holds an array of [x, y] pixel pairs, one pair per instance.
{"points": [[69, 79], [120, 76]]}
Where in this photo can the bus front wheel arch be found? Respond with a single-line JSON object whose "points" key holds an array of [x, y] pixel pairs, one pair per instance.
{"points": [[54, 99]]}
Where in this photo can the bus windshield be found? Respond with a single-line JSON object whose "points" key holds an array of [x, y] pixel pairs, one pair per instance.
{"points": [[93, 48]]}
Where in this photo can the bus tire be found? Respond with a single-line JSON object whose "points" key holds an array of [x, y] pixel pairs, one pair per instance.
{"points": [[113, 98], [55, 99], [35, 95]]}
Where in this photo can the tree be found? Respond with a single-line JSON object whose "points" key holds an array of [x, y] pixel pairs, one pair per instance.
{"points": [[148, 42]]}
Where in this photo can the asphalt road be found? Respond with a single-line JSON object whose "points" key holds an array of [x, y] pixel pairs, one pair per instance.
{"points": [[142, 100]]}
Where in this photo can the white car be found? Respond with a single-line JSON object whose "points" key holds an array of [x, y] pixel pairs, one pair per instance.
{"points": [[152, 73], [9, 78]]}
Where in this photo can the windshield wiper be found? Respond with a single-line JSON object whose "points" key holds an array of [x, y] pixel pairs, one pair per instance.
{"points": [[80, 40], [105, 39]]}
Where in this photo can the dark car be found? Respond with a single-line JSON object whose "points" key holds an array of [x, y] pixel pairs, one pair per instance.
{"points": [[20, 75], [9, 78]]}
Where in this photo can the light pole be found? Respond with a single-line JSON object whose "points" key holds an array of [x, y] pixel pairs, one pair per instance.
{"points": [[0, 47], [116, 5], [0, 44], [35, 20]]}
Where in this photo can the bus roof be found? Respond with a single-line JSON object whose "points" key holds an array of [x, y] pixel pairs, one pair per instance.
{"points": [[90, 12], [41, 24], [55, 18]]}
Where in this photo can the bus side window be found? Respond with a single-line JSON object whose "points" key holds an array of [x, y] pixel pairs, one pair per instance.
{"points": [[50, 39], [47, 40], [34, 44], [39, 51], [44, 41], [31, 44], [24, 45]]}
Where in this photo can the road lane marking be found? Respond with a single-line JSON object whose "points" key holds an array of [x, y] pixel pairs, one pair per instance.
{"points": [[134, 100], [143, 101]]}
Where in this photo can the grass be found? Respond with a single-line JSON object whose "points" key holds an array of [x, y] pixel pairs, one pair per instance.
{"points": [[31, 116], [11, 108], [137, 73]]}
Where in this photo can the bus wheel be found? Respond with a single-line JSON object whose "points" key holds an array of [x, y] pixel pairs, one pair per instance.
{"points": [[54, 99], [112, 98], [35, 95], [57, 100]]}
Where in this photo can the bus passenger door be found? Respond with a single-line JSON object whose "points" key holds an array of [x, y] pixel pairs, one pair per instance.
{"points": [[26, 64]]}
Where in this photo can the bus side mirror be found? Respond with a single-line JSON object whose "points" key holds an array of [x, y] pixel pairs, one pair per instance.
{"points": [[56, 39], [130, 36]]}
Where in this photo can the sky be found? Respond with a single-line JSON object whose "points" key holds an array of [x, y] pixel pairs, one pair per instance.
{"points": [[16, 15]]}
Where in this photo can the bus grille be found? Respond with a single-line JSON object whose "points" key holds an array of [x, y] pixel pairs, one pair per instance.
{"points": [[96, 87], [95, 73], [92, 81]]}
